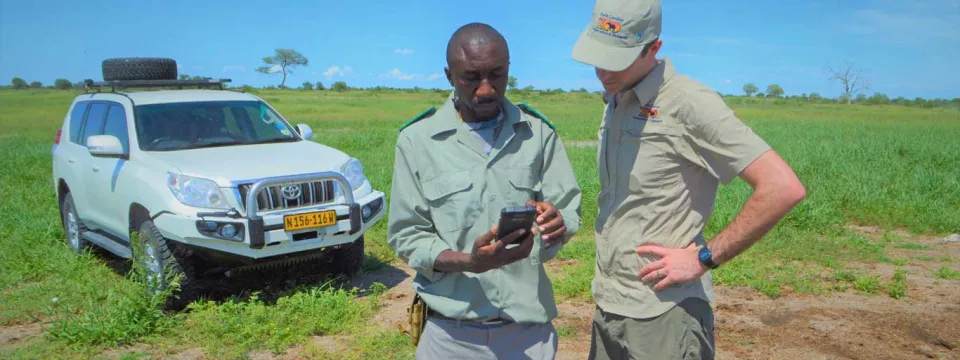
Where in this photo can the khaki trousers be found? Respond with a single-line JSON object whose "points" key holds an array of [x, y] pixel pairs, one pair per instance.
{"points": [[683, 332], [445, 339]]}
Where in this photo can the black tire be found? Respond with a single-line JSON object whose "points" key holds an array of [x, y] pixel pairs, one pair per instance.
{"points": [[173, 262], [68, 214], [139, 69], [348, 259]]}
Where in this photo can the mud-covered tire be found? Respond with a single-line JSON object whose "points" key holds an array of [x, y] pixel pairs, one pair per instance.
{"points": [[72, 226], [348, 259], [139, 69], [170, 264]]}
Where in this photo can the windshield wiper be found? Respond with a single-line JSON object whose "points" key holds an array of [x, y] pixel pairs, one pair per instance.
{"points": [[275, 141], [216, 144]]}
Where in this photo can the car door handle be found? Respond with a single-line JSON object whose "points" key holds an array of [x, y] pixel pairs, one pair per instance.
{"points": [[71, 161], [96, 169]]}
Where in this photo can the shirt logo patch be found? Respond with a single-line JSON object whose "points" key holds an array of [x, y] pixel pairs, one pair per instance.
{"points": [[649, 113]]}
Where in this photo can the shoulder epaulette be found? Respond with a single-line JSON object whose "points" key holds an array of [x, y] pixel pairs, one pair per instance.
{"points": [[527, 108], [425, 114]]}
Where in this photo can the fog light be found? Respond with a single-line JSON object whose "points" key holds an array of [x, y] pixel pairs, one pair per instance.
{"points": [[366, 212], [228, 231]]}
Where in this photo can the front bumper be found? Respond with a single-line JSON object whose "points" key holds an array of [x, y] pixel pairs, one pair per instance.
{"points": [[262, 234]]}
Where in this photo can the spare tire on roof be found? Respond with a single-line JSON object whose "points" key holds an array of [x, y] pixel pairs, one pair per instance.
{"points": [[139, 69]]}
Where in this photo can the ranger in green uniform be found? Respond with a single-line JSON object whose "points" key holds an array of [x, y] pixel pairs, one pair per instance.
{"points": [[456, 168], [666, 143]]}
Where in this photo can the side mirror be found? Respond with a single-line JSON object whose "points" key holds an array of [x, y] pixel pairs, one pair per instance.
{"points": [[305, 131], [104, 146]]}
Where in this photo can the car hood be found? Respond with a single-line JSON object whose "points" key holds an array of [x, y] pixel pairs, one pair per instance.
{"points": [[230, 164]]}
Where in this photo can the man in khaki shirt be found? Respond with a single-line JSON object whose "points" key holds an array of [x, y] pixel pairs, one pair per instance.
{"points": [[456, 168], [666, 143]]}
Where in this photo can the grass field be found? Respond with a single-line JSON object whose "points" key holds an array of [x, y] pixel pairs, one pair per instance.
{"points": [[887, 167]]}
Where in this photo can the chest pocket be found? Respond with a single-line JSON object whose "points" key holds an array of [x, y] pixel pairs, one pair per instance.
{"points": [[648, 158], [449, 196], [525, 184]]}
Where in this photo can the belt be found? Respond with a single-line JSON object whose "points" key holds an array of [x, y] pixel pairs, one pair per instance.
{"points": [[494, 321]]}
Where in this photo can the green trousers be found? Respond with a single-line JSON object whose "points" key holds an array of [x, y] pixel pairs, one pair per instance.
{"points": [[683, 332]]}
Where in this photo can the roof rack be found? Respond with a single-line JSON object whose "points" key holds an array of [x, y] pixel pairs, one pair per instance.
{"points": [[180, 84]]}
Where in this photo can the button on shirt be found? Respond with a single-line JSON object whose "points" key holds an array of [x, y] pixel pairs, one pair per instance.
{"points": [[665, 146], [448, 190]]}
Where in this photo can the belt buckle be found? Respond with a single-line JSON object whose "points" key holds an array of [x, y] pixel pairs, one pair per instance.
{"points": [[495, 321]]}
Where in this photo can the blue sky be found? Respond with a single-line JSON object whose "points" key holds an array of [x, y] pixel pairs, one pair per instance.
{"points": [[907, 48]]}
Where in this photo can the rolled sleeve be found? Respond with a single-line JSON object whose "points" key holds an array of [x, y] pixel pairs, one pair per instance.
{"points": [[409, 227], [560, 187], [724, 145]]}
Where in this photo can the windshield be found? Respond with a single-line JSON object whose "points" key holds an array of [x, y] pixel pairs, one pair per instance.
{"points": [[180, 126]]}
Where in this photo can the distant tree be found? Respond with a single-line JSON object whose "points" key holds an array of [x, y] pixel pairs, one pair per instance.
{"points": [[18, 83], [307, 85], [749, 89], [62, 84], [861, 97], [583, 90], [815, 97], [36, 84], [851, 79], [774, 90], [320, 86], [512, 83], [760, 95], [339, 86], [878, 99], [184, 77], [528, 88], [286, 59]]}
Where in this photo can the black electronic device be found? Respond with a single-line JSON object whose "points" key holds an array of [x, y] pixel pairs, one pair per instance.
{"points": [[513, 218]]}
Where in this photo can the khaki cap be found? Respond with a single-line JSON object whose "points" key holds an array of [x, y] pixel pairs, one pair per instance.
{"points": [[617, 33]]}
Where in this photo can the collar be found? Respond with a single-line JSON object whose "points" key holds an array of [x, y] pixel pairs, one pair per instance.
{"points": [[449, 118], [650, 85]]}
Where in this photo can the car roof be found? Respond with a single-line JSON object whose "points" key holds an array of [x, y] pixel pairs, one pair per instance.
{"points": [[178, 96]]}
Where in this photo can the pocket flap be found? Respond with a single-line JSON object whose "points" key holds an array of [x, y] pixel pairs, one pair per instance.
{"points": [[524, 178], [638, 128], [443, 185]]}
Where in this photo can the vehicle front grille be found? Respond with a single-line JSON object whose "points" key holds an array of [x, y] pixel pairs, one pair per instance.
{"points": [[296, 195]]}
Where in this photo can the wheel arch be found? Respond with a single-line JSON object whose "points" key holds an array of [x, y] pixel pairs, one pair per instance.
{"points": [[138, 215]]}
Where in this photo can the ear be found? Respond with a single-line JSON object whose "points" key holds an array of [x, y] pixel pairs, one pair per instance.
{"points": [[446, 70], [655, 48]]}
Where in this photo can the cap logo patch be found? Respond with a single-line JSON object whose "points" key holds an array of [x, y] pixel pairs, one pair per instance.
{"points": [[609, 25]]}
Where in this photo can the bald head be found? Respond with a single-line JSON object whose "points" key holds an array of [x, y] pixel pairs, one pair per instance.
{"points": [[473, 38]]}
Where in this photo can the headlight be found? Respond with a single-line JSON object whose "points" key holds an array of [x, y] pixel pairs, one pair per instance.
{"points": [[353, 171], [196, 192]]}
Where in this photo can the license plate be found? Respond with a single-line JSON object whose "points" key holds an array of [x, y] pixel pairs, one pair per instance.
{"points": [[309, 220]]}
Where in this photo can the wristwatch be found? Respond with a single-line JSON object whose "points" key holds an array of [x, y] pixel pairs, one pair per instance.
{"points": [[706, 257]]}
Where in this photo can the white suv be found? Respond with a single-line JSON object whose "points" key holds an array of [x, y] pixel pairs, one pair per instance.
{"points": [[208, 179]]}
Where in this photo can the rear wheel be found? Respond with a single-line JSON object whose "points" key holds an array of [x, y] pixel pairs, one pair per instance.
{"points": [[72, 226], [161, 264]]}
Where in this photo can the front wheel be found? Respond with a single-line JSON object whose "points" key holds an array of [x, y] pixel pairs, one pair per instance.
{"points": [[161, 265], [348, 259]]}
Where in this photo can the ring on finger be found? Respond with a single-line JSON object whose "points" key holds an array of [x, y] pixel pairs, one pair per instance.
{"points": [[658, 273]]}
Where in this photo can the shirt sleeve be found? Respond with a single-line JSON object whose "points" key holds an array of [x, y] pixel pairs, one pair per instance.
{"points": [[410, 231], [560, 187], [723, 144]]}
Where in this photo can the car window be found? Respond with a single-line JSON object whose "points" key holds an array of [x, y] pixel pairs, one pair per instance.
{"points": [[117, 126], [178, 126], [94, 124], [76, 121]]}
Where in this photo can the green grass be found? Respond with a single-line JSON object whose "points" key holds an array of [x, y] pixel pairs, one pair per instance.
{"points": [[882, 166], [945, 273]]}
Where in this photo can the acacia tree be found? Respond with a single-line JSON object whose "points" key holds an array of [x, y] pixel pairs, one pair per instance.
{"points": [[286, 60], [512, 83], [750, 89], [850, 78], [774, 90]]}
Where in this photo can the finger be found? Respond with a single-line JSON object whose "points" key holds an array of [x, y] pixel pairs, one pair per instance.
{"points": [[512, 237], [554, 237], [652, 267], [522, 251], [486, 238], [663, 284], [549, 212], [653, 250], [552, 225], [655, 274]]}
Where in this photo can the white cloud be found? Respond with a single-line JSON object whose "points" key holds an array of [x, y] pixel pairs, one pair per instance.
{"points": [[403, 51], [237, 68], [397, 74], [434, 76], [727, 81], [274, 69], [911, 27], [337, 70]]}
